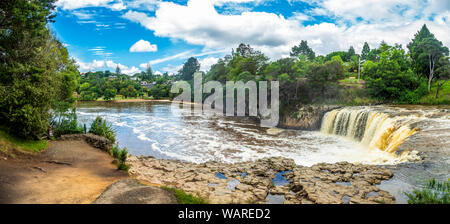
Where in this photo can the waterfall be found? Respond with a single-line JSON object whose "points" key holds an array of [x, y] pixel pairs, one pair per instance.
{"points": [[371, 128]]}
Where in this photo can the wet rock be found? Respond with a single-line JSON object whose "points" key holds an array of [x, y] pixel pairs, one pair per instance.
{"points": [[322, 183]]}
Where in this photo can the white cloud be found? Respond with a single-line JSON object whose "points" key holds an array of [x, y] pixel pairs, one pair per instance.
{"points": [[198, 23], [172, 69], [102, 64], [77, 4], [206, 63], [91, 65], [143, 46], [184, 54]]}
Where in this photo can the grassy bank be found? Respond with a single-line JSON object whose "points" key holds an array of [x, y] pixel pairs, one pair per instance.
{"points": [[184, 198], [444, 95], [8, 141]]}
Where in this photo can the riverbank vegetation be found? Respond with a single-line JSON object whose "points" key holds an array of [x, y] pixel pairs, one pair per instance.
{"points": [[183, 197], [433, 192], [120, 157], [9, 142]]}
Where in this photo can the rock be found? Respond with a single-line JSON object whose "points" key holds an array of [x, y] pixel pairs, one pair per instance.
{"points": [[132, 192], [308, 117], [93, 140], [322, 183]]}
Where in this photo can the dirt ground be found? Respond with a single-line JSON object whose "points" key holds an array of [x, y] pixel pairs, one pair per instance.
{"points": [[68, 172]]}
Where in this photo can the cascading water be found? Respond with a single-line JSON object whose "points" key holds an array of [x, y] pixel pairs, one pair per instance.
{"points": [[371, 128]]}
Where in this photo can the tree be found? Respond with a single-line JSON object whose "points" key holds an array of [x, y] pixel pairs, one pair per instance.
{"points": [[365, 51], [109, 93], [118, 71], [303, 49], [36, 71], [189, 68], [425, 51], [325, 76], [350, 52], [442, 74], [392, 79]]}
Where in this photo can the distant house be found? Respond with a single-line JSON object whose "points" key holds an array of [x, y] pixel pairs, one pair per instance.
{"points": [[112, 77], [147, 85], [83, 74]]}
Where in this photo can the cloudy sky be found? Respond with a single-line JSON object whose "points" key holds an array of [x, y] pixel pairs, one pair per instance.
{"points": [[103, 34]]}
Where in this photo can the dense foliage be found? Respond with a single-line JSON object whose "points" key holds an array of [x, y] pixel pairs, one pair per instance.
{"points": [[101, 127], [35, 69]]}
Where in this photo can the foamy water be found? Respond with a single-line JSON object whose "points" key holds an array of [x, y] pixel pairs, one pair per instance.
{"points": [[159, 130]]}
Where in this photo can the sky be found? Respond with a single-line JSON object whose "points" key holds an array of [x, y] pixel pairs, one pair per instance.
{"points": [[104, 34]]}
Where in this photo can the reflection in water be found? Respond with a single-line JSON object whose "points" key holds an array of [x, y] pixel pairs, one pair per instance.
{"points": [[159, 130]]}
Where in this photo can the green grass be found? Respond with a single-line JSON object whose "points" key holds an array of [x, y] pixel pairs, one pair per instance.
{"points": [[7, 139], [433, 192], [349, 81], [444, 95], [185, 198]]}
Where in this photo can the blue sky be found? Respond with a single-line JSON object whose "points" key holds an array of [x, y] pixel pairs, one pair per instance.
{"points": [[104, 34]]}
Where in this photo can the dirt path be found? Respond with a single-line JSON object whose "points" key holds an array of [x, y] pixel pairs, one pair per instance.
{"points": [[67, 172]]}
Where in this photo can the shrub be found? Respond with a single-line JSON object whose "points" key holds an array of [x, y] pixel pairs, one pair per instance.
{"points": [[120, 156], [66, 122], [433, 192], [101, 127]]}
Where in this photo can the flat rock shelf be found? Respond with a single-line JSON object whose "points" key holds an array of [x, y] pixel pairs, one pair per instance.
{"points": [[254, 182]]}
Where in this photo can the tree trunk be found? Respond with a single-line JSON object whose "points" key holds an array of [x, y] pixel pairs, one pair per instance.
{"points": [[437, 90], [431, 76]]}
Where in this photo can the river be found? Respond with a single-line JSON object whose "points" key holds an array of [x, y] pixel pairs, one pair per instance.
{"points": [[394, 135]]}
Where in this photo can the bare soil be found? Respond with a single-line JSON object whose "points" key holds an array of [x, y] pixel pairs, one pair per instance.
{"points": [[68, 172]]}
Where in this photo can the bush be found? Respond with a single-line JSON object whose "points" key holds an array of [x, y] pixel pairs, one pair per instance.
{"points": [[66, 123], [120, 156], [102, 128], [433, 192]]}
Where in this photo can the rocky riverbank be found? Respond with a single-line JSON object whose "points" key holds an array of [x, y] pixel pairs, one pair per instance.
{"points": [[253, 182], [308, 117]]}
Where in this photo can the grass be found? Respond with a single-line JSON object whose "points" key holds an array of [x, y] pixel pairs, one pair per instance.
{"points": [[10, 141], [183, 197], [444, 95], [433, 192]]}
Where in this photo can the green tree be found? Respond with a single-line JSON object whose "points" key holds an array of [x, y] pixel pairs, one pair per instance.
{"points": [[365, 51], [350, 53], [392, 79], [303, 49], [189, 68], [109, 93], [36, 71], [118, 71], [442, 73], [326, 76], [426, 51]]}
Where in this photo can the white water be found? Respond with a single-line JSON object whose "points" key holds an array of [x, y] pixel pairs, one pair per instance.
{"points": [[158, 130]]}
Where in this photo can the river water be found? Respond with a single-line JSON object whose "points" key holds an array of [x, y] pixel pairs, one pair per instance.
{"points": [[169, 132]]}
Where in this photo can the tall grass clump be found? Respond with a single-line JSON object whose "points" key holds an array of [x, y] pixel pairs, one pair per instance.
{"points": [[101, 127], [65, 122], [120, 157], [433, 192]]}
